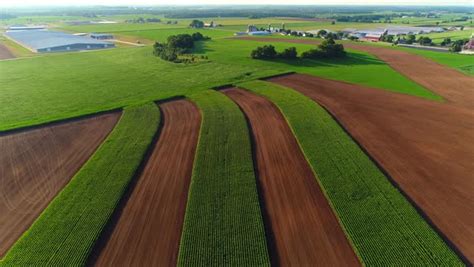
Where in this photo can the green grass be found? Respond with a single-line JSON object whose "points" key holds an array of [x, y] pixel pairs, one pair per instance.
{"points": [[358, 67], [51, 87], [223, 224], [383, 226], [162, 35], [66, 231], [464, 63], [454, 35]]}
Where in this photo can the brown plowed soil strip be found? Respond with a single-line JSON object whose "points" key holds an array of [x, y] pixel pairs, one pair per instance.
{"points": [[148, 230], [306, 231], [426, 147], [456, 87], [5, 53], [36, 164]]}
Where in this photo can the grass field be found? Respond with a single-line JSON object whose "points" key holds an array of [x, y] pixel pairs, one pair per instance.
{"points": [[383, 226], [68, 228], [223, 223], [40, 89]]}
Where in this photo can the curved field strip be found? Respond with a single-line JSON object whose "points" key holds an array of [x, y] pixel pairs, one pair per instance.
{"points": [[35, 164], [306, 232], [384, 227], [456, 87], [426, 147], [5, 52], [223, 223], [148, 230], [66, 231]]}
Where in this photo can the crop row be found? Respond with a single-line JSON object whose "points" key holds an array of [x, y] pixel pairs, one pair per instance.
{"points": [[66, 231], [384, 228], [223, 222]]}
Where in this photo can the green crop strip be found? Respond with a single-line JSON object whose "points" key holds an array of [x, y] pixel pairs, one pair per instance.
{"points": [[384, 227], [223, 223], [68, 228]]}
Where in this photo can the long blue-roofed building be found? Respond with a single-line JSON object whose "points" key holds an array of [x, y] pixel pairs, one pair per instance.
{"points": [[43, 41]]}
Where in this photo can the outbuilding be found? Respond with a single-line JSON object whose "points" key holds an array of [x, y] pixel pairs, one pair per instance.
{"points": [[102, 36], [42, 41]]}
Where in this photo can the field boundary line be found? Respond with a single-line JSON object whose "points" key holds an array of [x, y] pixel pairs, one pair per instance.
{"points": [[427, 219], [107, 231], [58, 122]]}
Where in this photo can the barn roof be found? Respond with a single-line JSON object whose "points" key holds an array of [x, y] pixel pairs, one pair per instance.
{"points": [[41, 39]]}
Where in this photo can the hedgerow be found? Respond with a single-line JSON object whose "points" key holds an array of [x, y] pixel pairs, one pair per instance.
{"points": [[66, 231], [384, 228], [223, 223]]}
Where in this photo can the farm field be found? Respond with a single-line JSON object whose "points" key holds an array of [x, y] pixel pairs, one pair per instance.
{"points": [[67, 230], [415, 141], [5, 52], [35, 164], [223, 183], [58, 94], [223, 151], [386, 224], [298, 212], [157, 202], [455, 87]]}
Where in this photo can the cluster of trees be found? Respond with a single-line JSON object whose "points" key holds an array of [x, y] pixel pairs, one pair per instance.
{"points": [[327, 49], [196, 24], [456, 46], [269, 52], [177, 45], [143, 20], [172, 22]]}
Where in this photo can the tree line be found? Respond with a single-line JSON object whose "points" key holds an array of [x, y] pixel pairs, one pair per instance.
{"points": [[326, 50]]}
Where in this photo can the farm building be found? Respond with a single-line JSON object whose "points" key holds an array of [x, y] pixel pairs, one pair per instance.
{"points": [[24, 27], [53, 41], [102, 36]]}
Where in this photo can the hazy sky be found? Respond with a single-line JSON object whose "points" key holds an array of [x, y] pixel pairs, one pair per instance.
{"points": [[12, 3]]}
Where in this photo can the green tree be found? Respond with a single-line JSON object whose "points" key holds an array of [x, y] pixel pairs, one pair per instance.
{"points": [[196, 24], [288, 53]]}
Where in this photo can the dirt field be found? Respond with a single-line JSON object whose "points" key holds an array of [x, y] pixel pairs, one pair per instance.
{"points": [[5, 53], [36, 164], [426, 147], [148, 230], [456, 87], [305, 230]]}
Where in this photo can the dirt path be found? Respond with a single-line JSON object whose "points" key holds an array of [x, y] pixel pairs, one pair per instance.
{"points": [[456, 87], [5, 52], [305, 230], [148, 230], [426, 147], [36, 164]]}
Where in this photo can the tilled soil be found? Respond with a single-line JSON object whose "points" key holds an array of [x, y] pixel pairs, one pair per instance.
{"points": [[35, 164], [456, 87], [426, 147], [148, 230], [5, 53], [305, 230]]}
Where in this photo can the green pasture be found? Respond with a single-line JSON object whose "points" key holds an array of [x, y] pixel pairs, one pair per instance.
{"points": [[51, 87], [383, 226]]}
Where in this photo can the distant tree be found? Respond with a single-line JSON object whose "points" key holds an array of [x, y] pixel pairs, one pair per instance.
{"points": [[327, 49], [288, 53], [196, 24], [410, 39], [181, 42], [333, 22], [322, 33], [264, 52], [424, 40], [446, 41], [455, 47]]}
